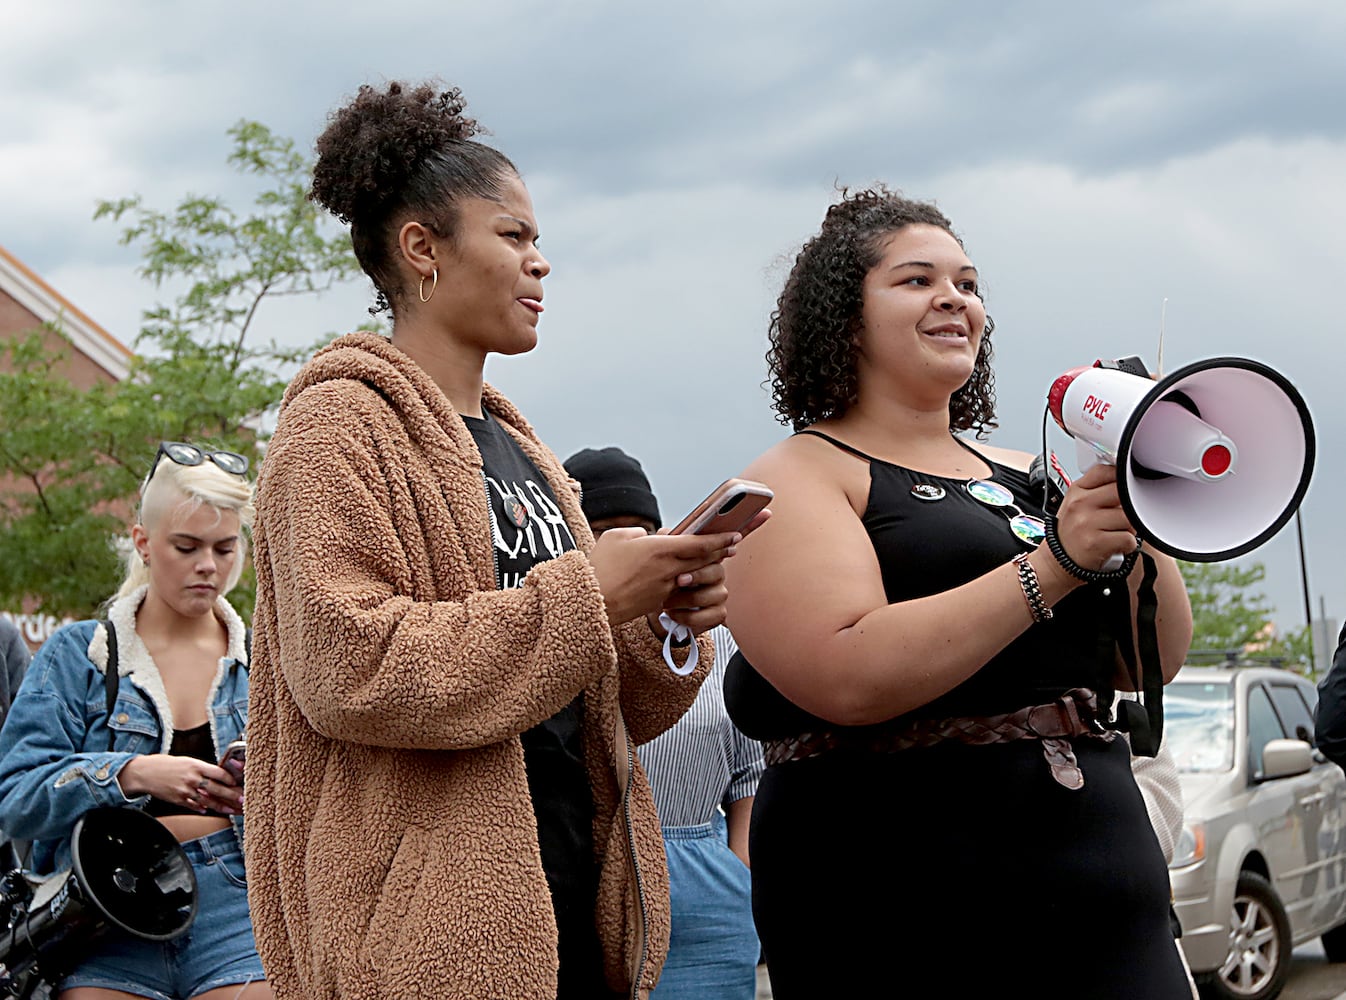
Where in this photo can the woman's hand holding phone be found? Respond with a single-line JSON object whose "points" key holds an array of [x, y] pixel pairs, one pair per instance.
{"points": [[184, 781], [679, 572], [639, 573]]}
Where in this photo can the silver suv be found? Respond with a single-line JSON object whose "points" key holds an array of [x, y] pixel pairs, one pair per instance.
{"points": [[1261, 863]]}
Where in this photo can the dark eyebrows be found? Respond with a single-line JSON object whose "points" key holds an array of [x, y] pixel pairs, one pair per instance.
{"points": [[523, 224], [928, 265]]}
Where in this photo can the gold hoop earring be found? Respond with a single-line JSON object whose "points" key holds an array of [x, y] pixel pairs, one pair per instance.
{"points": [[434, 283]]}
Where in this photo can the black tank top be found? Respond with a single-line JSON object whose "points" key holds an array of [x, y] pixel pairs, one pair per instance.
{"points": [[930, 535], [195, 742]]}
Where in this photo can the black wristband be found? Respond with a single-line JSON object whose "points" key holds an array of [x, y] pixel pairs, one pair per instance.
{"points": [[1078, 571]]}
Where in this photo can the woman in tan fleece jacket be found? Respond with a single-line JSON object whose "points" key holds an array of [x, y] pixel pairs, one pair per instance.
{"points": [[448, 674]]}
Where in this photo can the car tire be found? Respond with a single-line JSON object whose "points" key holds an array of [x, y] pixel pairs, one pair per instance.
{"points": [[1334, 944], [1258, 959]]}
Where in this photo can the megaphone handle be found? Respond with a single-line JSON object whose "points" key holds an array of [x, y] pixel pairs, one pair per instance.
{"points": [[1116, 568], [1087, 456]]}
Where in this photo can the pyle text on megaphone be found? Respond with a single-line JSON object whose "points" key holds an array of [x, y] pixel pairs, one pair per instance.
{"points": [[1173, 440]]}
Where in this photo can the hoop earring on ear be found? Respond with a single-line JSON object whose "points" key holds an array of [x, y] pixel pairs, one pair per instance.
{"points": [[434, 283]]}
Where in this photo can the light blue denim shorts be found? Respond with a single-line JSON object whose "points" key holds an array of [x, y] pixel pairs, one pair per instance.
{"points": [[217, 950], [713, 949]]}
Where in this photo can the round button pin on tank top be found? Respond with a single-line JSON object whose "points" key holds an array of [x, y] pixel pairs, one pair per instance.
{"points": [[927, 491]]}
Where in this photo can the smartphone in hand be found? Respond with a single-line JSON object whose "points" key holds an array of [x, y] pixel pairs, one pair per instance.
{"points": [[731, 506], [235, 755]]}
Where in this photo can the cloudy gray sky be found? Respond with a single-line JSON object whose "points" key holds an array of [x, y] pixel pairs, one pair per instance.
{"points": [[1098, 159]]}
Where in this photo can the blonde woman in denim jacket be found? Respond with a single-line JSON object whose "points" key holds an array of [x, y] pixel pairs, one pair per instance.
{"points": [[181, 698]]}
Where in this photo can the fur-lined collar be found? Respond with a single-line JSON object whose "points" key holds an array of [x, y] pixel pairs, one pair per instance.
{"points": [[135, 663]]}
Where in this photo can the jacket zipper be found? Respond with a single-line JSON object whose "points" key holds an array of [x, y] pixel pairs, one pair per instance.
{"points": [[635, 868], [495, 528]]}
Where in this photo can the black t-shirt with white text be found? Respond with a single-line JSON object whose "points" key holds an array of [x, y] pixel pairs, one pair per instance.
{"points": [[527, 528]]}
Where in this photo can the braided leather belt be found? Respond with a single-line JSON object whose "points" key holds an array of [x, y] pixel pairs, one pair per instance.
{"points": [[1073, 714]]}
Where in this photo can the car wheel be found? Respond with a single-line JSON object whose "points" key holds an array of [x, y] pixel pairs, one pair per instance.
{"points": [[1334, 944], [1258, 959]]}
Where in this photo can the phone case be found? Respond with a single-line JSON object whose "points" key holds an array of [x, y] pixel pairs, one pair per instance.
{"points": [[235, 759], [730, 507]]}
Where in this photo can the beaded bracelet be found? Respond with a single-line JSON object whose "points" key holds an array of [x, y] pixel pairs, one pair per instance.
{"points": [[1028, 582], [1078, 571]]}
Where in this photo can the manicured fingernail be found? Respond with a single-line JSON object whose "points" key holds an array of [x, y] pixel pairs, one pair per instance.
{"points": [[737, 538], [730, 551]]}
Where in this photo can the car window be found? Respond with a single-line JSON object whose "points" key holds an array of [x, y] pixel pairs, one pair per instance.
{"points": [[1263, 727], [1199, 725], [1295, 715]]}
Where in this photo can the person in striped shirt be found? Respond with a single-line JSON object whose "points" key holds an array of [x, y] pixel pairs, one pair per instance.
{"points": [[704, 775]]}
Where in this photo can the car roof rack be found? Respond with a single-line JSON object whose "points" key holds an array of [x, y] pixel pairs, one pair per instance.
{"points": [[1234, 658]]}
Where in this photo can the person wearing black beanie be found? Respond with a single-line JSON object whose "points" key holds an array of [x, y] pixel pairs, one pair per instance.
{"points": [[616, 493]]}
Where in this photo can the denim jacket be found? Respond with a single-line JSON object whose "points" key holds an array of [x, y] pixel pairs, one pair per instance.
{"points": [[55, 764]]}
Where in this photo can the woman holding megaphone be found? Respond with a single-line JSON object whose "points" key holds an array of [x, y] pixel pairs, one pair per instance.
{"points": [[931, 683], [137, 711]]}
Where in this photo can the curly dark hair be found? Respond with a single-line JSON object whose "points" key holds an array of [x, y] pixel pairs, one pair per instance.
{"points": [[812, 331], [398, 154]]}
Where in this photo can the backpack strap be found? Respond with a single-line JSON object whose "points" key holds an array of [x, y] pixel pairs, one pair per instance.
{"points": [[111, 679]]}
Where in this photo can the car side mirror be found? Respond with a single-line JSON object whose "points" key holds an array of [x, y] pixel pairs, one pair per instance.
{"points": [[1283, 758]]}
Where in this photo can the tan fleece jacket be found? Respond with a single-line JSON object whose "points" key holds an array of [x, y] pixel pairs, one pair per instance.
{"points": [[392, 847]]}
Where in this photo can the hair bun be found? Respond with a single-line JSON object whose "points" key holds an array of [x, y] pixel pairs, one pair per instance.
{"points": [[373, 145]]}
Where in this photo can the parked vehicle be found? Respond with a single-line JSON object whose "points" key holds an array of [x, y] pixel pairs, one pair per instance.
{"points": [[1261, 863]]}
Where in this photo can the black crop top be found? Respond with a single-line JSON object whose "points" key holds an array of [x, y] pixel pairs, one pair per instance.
{"points": [[195, 742], [927, 546]]}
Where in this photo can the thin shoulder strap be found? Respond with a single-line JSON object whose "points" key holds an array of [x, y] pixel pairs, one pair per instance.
{"points": [[840, 444], [112, 678]]}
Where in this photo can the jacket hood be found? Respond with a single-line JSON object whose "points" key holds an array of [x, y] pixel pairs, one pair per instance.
{"points": [[423, 408]]}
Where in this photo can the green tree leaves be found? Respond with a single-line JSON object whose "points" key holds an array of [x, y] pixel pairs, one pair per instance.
{"points": [[1231, 618], [71, 462]]}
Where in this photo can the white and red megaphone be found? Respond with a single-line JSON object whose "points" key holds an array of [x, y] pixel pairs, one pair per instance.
{"points": [[1212, 460]]}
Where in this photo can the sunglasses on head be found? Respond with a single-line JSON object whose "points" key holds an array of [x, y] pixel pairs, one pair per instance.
{"points": [[1027, 528], [181, 453]]}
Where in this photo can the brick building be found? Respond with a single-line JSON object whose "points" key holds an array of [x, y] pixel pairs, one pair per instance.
{"points": [[92, 355]]}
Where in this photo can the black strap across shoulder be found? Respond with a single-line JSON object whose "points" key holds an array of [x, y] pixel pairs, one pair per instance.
{"points": [[840, 444], [870, 458]]}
